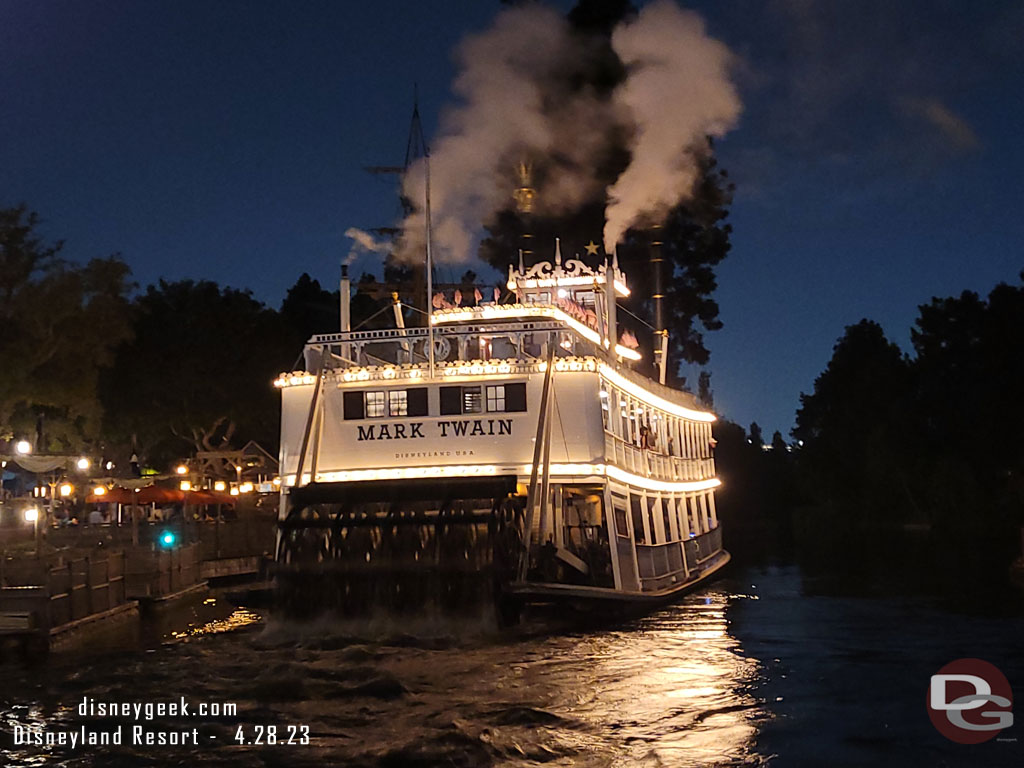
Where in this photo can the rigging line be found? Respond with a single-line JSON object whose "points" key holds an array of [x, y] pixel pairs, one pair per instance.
{"points": [[378, 312], [561, 426], [619, 306]]}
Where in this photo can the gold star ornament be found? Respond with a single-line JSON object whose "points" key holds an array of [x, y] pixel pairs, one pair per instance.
{"points": [[591, 248]]}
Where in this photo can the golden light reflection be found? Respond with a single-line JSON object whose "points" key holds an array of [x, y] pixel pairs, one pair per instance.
{"points": [[672, 690], [242, 617]]}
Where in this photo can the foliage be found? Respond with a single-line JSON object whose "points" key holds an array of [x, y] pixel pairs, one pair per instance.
{"points": [[309, 309], [930, 438], [968, 368], [854, 426], [59, 323], [197, 374]]}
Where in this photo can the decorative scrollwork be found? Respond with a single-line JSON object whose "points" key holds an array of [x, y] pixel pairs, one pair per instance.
{"points": [[442, 348]]}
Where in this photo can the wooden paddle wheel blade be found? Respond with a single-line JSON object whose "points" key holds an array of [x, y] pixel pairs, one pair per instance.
{"points": [[352, 557]]}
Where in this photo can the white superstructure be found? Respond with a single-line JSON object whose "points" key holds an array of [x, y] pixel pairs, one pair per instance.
{"points": [[609, 477]]}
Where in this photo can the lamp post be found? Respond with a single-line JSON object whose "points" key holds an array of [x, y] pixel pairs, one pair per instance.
{"points": [[32, 516]]}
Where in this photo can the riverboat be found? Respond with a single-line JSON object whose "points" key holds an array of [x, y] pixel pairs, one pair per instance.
{"points": [[507, 453]]}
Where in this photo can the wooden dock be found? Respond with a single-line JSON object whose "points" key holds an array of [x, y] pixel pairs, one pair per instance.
{"points": [[44, 606], [95, 577]]}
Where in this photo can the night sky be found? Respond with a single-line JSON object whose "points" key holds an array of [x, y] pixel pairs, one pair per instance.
{"points": [[877, 161]]}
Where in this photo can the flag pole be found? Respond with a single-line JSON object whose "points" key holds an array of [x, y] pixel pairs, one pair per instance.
{"points": [[430, 269]]}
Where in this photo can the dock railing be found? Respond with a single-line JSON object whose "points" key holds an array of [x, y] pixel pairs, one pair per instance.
{"points": [[76, 588], [162, 572]]}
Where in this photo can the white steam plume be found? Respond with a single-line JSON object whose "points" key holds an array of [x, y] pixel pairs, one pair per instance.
{"points": [[517, 102], [500, 84], [363, 242], [677, 92]]}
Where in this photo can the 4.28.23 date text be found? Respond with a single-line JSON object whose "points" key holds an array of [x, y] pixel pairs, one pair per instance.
{"points": [[271, 734]]}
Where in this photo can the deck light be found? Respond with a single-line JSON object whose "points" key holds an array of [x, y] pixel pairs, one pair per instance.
{"points": [[83, 463], [31, 515], [181, 469], [99, 490], [23, 447], [167, 539], [185, 485], [219, 485], [66, 489]]}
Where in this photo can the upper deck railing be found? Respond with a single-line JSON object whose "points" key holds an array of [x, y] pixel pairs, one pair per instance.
{"points": [[464, 334], [647, 462]]}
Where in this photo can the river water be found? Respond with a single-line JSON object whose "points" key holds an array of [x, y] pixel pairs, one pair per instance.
{"points": [[753, 670]]}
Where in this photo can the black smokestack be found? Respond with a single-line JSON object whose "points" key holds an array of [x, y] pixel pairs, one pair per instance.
{"points": [[657, 261]]}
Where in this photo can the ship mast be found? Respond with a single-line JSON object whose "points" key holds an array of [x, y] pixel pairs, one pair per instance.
{"points": [[430, 263]]}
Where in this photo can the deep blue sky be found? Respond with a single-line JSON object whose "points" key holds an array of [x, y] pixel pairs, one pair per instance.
{"points": [[878, 159]]}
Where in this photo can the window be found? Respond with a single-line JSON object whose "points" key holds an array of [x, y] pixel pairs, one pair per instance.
{"points": [[457, 400], [416, 401], [652, 516], [515, 397], [496, 398], [376, 405], [398, 402], [354, 405], [621, 526], [666, 519], [451, 400], [472, 400], [637, 510]]}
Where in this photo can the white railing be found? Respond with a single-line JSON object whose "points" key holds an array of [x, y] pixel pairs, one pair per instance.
{"points": [[653, 464]]}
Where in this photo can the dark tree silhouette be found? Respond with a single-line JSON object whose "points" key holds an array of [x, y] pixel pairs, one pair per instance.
{"points": [[309, 309], [58, 325], [198, 373], [855, 425], [754, 435]]}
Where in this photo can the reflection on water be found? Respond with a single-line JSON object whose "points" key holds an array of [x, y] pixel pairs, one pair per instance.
{"points": [[673, 689], [747, 672], [237, 619]]}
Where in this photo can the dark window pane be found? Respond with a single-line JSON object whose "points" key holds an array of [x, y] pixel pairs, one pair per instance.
{"points": [[621, 527], [418, 401], [353, 402], [636, 508], [515, 397], [451, 400]]}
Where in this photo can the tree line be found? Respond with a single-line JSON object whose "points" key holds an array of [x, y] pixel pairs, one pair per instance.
{"points": [[897, 451], [90, 364]]}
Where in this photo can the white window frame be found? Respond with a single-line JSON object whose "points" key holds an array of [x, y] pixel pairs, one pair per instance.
{"points": [[492, 396], [382, 405]]}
